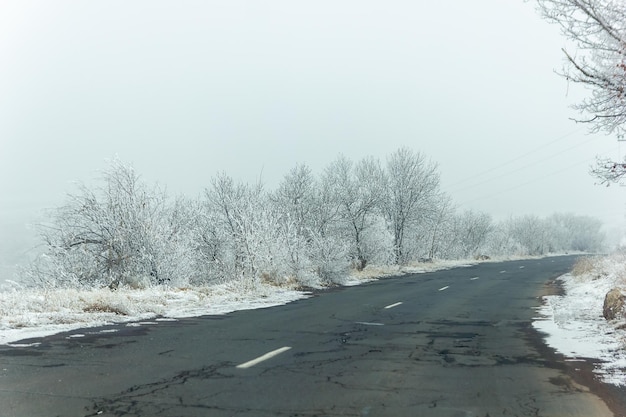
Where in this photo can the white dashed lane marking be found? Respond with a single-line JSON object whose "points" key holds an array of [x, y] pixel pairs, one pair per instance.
{"points": [[474, 278], [394, 305], [367, 323], [444, 288], [262, 358]]}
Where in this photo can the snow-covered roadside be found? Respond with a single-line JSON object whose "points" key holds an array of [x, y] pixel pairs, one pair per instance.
{"points": [[30, 313], [574, 324]]}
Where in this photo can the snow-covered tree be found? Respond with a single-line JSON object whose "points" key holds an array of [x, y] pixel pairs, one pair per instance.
{"points": [[472, 229], [296, 197], [329, 258], [597, 29], [412, 185], [294, 204], [121, 232], [501, 241], [357, 190], [570, 232], [307, 232], [597, 60], [252, 235], [453, 235], [609, 171], [439, 229], [530, 234], [245, 231]]}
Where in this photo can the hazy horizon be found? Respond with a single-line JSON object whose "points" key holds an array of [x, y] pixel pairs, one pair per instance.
{"points": [[185, 90]]}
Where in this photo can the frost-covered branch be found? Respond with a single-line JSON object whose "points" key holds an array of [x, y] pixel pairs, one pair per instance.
{"points": [[597, 29], [308, 232], [608, 171]]}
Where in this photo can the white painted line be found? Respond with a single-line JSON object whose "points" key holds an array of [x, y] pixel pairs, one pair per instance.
{"points": [[444, 288], [262, 358], [521, 267], [502, 272], [474, 278], [22, 345], [394, 305], [367, 323]]}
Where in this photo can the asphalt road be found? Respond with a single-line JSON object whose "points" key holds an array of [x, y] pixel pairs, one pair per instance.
{"points": [[452, 343]]}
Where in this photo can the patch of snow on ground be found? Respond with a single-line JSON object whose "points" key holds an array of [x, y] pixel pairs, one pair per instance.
{"points": [[574, 324], [31, 313]]}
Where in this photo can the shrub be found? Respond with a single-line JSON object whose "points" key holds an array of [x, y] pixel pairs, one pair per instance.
{"points": [[584, 265]]}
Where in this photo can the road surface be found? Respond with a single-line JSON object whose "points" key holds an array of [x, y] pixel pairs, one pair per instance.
{"points": [[453, 343]]}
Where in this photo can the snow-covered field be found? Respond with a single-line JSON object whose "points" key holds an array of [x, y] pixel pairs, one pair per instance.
{"points": [[28, 313], [574, 323]]}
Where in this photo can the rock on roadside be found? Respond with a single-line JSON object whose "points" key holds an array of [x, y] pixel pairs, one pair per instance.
{"points": [[613, 304]]}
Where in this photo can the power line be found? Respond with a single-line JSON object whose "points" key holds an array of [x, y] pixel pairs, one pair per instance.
{"points": [[504, 164], [524, 166], [513, 188]]}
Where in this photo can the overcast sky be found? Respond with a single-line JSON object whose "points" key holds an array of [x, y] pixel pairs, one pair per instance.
{"points": [[184, 89]]}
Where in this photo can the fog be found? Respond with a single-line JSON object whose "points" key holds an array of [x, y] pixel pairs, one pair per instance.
{"points": [[182, 90]]}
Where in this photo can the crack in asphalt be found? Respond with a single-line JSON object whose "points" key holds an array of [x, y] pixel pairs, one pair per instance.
{"points": [[127, 402], [438, 344]]}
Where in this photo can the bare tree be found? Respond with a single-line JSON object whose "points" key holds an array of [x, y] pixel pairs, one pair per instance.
{"points": [[577, 233], [530, 235], [252, 236], [608, 172], [119, 233], [472, 229], [240, 210], [358, 190], [412, 186], [308, 224], [598, 30], [440, 227], [296, 196]]}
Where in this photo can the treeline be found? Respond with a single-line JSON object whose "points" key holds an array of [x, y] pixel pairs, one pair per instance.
{"points": [[310, 230]]}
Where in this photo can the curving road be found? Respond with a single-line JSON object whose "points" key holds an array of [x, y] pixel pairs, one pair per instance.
{"points": [[453, 343]]}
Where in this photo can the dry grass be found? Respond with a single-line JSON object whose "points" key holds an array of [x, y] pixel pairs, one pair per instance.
{"points": [[101, 307], [288, 282], [584, 266], [620, 274], [375, 271]]}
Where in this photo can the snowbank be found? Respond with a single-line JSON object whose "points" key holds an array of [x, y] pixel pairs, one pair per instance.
{"points": [[574, 323]]}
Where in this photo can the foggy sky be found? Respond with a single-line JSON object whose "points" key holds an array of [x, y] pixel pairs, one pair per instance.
{"points": [[184, 89]]}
